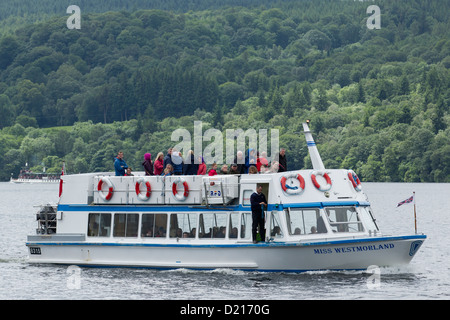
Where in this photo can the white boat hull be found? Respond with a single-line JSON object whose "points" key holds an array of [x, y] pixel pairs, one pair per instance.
{"points": [[45, 181], [349, 254]]}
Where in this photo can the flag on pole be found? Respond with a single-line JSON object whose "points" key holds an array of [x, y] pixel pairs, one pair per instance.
{"points": [[60, 179], [409, 200]]}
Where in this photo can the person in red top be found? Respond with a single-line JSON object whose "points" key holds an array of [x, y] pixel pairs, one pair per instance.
{"points": [[158, 165], [213, 170], [263, 160], [201, 167]]}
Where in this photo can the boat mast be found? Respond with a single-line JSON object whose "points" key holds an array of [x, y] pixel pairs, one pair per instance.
{"points": [[312, 148]]}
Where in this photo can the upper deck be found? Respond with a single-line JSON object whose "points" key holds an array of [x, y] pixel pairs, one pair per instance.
{"points": [[288, 189]]}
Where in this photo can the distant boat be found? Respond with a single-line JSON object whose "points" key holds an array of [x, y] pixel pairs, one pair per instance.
{"points": [[27, 176]]}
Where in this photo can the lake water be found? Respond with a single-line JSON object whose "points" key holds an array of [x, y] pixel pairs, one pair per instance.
{"points": [[426, 277]]}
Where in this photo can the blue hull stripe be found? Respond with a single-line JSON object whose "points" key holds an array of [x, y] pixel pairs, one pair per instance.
{"points": [[187, 208], [243, 245]]}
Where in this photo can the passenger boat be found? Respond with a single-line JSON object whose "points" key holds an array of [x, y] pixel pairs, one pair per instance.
{"points": [[317, 219], [26, 176]]}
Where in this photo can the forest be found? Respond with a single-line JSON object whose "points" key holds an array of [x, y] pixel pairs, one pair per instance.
{"points": [[378, 99]]}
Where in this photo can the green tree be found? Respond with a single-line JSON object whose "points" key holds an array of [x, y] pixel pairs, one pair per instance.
{"points": [[6, 111], [9, 49]]}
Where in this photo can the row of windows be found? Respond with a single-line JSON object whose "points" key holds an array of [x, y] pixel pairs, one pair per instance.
{"points": [[215, 225], [339, 219], [185, 225]]}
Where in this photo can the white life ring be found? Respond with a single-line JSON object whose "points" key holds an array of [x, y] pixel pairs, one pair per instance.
{"points": [[326, 177], [356, 183], [143, 196], [183, 196], [292, 191], [109, 194]]}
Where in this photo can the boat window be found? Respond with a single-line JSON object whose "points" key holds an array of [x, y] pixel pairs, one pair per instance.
{"points": [[154, 225], [233, 226], [344, 219], [183, 225], [126, 224], [212, 225], [368, 219], [275, 225], [246, 197], [246, 225], [99, 225], [302, 221]]}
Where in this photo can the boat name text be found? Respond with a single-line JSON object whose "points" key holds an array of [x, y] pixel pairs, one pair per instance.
{"points": [[373, 247]]}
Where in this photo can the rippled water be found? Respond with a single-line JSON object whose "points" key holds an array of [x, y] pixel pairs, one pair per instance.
{"points": [[426, 277]]}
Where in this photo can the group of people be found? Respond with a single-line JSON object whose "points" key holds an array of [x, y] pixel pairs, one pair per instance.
{"points": [[173, 163]]}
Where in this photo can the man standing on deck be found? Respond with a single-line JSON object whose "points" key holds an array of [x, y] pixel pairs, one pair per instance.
{"points": [[281, 158], [120, 165], [257, 201]]}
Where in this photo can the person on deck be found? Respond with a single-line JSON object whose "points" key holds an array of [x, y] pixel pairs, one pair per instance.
{"points": [[168, 158], [257, 201], [190, 167], [147, 164], [240, 162], [177, 162], [159, 164], [250, 159], [282, 162], [201, 167], [213, 170], [119, 164]]}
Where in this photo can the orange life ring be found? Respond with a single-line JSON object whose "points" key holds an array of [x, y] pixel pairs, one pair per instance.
{"points": [[356, 183], [148, 192], [291, 191], [317, 184], [183, 196], [110, 186]]}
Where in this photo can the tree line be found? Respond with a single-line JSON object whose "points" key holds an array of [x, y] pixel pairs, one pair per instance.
{"points": [[378, 99]]}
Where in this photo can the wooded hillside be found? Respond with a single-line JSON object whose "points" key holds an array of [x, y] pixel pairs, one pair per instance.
{"points": [[378, 99]]}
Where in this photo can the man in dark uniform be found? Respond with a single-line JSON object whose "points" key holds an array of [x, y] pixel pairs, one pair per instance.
{"points": [[257, 200]]}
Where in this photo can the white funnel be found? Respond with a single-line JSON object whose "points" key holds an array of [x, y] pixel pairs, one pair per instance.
{"points": [[312, 148]]}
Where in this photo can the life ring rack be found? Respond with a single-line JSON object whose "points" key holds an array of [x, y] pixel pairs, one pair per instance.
{"points": [[184, 195], [148, 192], [353, 177], [109, 194], [289, 190], [317, 184]]}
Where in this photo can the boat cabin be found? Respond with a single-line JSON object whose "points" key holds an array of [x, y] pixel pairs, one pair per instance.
{"points": [[187, 208]]}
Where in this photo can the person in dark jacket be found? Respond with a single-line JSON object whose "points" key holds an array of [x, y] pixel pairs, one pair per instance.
{"points": [[190, 167], [234, 169], [177, 163], [119, 164], [250, 159], [282, 160], [147, 164], [168, 158], [240, 162], [257, 201]]}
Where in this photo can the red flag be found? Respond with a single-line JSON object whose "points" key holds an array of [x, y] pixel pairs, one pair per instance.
{"points": [[61, 181]]}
